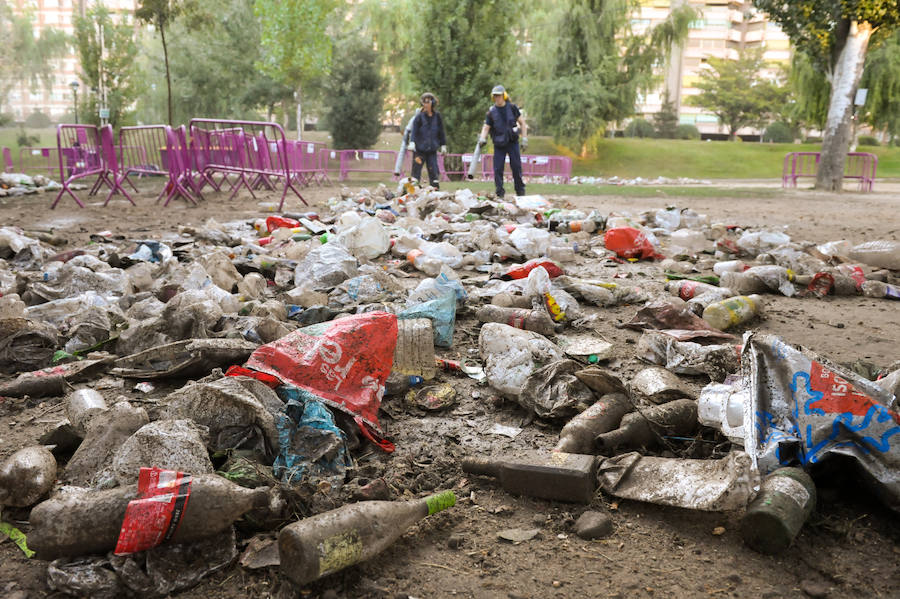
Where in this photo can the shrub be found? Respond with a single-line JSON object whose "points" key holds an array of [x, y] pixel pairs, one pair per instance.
{"points": [[812, 140], [5, 118], [640, 128], [37, 120], [686, 131], [868, 140], [778, 133], [357, 94], [24, 139]]}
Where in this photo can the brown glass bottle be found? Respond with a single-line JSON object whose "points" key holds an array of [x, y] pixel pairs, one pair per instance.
{"points": [[530, 320], [26, 476], [554, 475], [82, 523], [331, 541], [577, 436], [644, 428]]}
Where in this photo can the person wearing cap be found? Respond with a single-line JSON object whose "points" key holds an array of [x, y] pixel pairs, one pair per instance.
{"points": [[505, 124], [428, 138]]}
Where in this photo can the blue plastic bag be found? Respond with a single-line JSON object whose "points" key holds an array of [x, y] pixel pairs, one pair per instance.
{"points": [[441, 312], [310, 443]]}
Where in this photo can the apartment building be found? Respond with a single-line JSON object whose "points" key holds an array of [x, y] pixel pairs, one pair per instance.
{"points": [[724, 28], [58, 14]]}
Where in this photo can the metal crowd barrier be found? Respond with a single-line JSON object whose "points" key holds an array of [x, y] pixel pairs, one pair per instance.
{"points": [[244, 148], [859, 165], [80, 155]]}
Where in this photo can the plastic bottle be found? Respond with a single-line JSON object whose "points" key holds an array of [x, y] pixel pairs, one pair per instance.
{"points": [[577, 436], [81, 523], [26, 476], [530, 320], [881, 253], [644, 428], [879, 289], [430, 266], [732, 311], [506, 299], [561, 253], [742, 283], [574, 226], [81, 406], [721, 268], [698, 304], [687, 241], [557, 475], [774, 518], [686, 289], [721, 406], [331, 541]]}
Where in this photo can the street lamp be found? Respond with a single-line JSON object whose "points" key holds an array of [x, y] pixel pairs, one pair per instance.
{"points": [[74, 86]]}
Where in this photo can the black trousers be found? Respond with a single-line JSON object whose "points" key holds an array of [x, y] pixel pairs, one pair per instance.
{"points": [[515, 165], [429, 159]]}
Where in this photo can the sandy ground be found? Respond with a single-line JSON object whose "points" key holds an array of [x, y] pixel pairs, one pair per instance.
{"points": [[849, 548]]}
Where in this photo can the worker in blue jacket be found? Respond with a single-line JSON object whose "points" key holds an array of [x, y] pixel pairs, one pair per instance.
{"points": [[506, 125], [428, 138]]}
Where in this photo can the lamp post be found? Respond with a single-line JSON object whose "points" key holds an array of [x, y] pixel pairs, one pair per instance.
{"points": [[74, 86]]}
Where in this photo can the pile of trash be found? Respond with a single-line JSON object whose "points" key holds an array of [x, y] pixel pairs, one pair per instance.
{"points": [[659, 180], [19, 184], [282, 342]]}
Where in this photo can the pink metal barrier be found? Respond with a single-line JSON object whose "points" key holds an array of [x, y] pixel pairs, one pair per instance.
{"points": [[859, 165], [110, 175], [39, 161], [250, 148], [306, 161], [80, 156], [142, 151], [8, 166]]}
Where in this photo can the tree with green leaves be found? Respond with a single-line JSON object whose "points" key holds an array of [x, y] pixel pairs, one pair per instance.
{"points": [[388, 24], [736, 92], [591, 65], [24, 57], [462, 50], [810, 90], [836, 36], [214, 69], [161, 14], [110, 66], [356, 94], [665, 121], [882, 78], [296, 49]]}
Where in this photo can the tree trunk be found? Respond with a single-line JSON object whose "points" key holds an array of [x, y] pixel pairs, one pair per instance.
{"points": [[845, 80], [162, 34], [299, 114]]}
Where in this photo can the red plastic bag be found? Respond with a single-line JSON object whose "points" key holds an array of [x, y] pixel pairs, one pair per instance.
{"points": [[521, 271], [629, 243], [343, 362]]}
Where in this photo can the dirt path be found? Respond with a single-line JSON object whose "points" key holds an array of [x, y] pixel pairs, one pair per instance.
{"points": [[850, 547]]}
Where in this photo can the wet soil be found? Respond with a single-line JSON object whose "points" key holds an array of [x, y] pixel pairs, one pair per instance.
{"points": [[849, 548]]}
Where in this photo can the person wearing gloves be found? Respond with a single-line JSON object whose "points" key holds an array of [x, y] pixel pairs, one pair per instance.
{"points": [[428, 138], [506, 125]]}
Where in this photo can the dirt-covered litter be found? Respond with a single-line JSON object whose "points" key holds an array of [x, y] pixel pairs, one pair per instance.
{"points": [[254, 372]]}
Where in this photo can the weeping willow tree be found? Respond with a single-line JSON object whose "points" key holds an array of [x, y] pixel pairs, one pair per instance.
{"points": [[811, 91], [587, 65], [882, 78]]}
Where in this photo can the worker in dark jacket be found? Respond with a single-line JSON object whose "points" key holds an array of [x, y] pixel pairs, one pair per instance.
{"points": [[506, 126], [428, 138]]}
